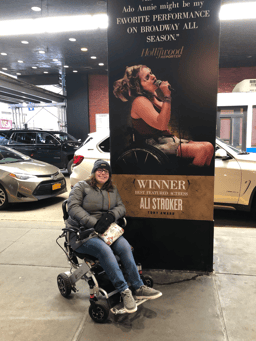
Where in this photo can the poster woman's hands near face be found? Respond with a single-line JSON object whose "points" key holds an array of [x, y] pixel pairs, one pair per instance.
{"points": [[165, 88]]}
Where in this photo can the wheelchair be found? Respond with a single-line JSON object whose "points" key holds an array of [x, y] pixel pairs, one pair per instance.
{"points": [[142, 158], [104, 298]]}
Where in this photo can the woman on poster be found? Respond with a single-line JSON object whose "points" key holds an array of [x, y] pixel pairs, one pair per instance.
{"points": [[151, 116]]}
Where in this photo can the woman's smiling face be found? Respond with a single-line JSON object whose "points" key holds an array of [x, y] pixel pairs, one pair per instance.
{"points": [[147, 80], [101, 176]]}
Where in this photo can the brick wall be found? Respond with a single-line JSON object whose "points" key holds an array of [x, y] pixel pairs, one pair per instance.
{"points": [[229, 77], [98, 98]]}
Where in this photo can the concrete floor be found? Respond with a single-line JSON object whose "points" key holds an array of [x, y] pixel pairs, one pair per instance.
{"points": [[194, 306]]}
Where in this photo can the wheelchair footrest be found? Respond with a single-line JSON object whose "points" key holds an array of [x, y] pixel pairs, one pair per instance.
{"points": [[119, 308]]}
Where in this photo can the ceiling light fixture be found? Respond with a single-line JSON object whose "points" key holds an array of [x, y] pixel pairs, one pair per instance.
{"points": [[34, 67], [46, 72], [93, 57], [72, 39], [3, 54], [41, 51], [75, 71], [18, 74], [20, 61], [53, 24], [84, 49], [101, 64], [66, 66], [55, 60], [36, 9], [24, 42], [238, 11], [4, 68]]}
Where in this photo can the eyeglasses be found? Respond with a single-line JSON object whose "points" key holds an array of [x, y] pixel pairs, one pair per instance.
{"points": [[101, 170]]}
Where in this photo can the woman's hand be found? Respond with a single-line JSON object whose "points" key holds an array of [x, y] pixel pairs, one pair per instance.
{"points": [[164, 87], [103, 223]]}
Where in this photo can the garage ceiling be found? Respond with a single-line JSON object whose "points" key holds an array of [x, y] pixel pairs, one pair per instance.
{"points": [[237, 42]]}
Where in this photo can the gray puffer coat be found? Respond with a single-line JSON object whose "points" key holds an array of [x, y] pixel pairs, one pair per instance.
{"points": [[86, 205]]}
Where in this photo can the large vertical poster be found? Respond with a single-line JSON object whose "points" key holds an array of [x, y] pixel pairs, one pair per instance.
{"points": [[163, 72]]}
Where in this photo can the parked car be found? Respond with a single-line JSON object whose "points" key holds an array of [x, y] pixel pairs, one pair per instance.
{"points": [[95, 147], [23, 179], [235, 171], [54, 147], [235, 178]]}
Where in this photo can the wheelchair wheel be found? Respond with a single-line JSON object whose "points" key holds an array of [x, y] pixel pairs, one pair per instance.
{"points": [[64, 284], [148, 281], [142, 160], [99, 312]]}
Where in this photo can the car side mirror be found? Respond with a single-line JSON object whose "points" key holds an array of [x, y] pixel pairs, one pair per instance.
{"points": [[221, 154]]}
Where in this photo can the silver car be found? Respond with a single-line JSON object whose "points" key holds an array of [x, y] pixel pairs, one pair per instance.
{"points": [[23, 179]]}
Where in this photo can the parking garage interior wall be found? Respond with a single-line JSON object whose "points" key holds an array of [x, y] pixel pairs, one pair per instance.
{"points": [[229, 77], [98, 98], [77, 105]]}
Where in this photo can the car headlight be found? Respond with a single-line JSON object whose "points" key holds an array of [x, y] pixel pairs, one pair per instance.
{"points": [[22, 176]]}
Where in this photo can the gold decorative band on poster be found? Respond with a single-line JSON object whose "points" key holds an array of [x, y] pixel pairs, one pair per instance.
{"points": [[167, 196]]}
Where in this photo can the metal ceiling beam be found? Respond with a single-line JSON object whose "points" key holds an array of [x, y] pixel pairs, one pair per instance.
{"points": [[7, 100], [26, 89], [28, 98], [16, 98]]}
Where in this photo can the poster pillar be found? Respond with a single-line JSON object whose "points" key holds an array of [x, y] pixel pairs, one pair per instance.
{"points": [[163, 74]]}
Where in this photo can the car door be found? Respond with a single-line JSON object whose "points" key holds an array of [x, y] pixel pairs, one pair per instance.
{"points": [[48, 149], [24, 142], [228, 178]]}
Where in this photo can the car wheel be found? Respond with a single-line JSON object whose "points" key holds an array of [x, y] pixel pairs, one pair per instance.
{"points": [[3, 198], [253, 209], [69, 166]]}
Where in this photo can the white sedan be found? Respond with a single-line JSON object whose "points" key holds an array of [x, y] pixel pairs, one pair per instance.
{"points": [[235, 171]]}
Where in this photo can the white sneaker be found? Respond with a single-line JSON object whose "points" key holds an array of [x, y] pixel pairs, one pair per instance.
{"points": [[130, 305]]}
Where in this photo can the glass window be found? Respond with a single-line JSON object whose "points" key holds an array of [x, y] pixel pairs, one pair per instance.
{"points": [[23, 138], [225, 129], [63, 137], [45, 138], [4, 138], [104, 146], [254, 127]]}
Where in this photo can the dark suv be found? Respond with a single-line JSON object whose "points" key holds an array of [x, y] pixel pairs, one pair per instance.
{"points": [[54, 147]]}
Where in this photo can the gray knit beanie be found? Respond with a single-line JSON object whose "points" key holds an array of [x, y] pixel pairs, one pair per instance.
{"points": [[101, 164]]}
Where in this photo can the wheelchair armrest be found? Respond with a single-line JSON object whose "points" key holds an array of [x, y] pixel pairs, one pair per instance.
{"points": [[64, 209], [70, 229]]}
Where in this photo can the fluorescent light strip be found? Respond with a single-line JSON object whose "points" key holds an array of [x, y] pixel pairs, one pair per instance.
{"points": [[53, 24], [238, 11]]}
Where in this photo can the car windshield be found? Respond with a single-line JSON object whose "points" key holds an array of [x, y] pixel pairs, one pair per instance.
{"points": [[9, 156], [238, 151], [64, 137]]}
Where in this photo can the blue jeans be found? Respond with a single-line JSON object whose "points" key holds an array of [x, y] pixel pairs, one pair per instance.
{"points": [[105, 254]]}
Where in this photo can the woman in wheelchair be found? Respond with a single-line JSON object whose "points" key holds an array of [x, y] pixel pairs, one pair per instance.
{"points": [[150, 116], [94, 204]]}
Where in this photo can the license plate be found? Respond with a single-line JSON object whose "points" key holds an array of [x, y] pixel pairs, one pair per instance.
{"points": [[56, 186]]}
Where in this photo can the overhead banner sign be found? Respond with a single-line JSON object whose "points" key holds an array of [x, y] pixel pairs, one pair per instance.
{"points": [[163, 75]]}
